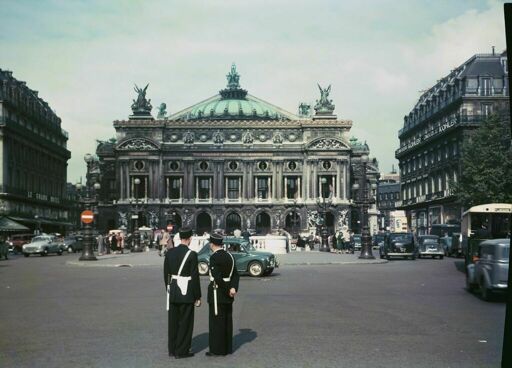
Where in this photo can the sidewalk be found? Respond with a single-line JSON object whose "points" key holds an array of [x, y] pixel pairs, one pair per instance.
{"points": [[152, 259]]}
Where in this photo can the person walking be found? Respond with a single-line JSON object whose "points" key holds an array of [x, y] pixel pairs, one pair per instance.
{"points": [[100, 245], [222, 289], [181, 277], [113, 242], [163, 242]]}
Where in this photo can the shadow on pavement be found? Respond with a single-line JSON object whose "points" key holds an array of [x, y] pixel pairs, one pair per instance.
{"points": [[459, 265], [200, 342], [246, 335]]}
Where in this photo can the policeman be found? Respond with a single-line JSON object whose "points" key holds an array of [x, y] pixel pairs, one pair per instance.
{"points": [[181, 277], [221, 292]]}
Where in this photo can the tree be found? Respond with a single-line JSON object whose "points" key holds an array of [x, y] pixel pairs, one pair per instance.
{"points": [[486, 175]]}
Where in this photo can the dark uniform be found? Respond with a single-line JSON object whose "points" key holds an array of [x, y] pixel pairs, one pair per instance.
{"points": [[181, 307], [221, 325]]}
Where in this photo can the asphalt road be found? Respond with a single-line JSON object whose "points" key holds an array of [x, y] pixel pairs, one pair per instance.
{"points": [[399, 314]]}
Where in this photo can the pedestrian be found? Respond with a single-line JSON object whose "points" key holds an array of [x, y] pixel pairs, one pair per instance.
{"points": [[221, 293], [100, 245], [163, 242], [181, 277], [113, 242], [121, 241]]}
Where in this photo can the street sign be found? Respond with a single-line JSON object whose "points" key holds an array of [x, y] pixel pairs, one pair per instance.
{"points": [[135, 217], [87, 217], [169, 227]]}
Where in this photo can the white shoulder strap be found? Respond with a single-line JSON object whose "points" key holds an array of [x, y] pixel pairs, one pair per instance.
{"points": [[232, 265], [183, 262]]}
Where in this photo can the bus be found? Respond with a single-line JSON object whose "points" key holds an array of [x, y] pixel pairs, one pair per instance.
{"points": [[483, 222]]}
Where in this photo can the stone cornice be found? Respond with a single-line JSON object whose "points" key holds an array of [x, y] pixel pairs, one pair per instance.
{"points": [[215, 124]]}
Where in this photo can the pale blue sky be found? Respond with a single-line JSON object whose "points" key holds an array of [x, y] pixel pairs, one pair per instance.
{"points": [[84, 56]]}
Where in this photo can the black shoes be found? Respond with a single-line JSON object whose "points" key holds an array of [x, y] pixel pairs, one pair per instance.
{"points": [[213, 355], [188, 355]]}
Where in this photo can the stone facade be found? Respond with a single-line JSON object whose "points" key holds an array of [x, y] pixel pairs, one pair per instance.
{"points": [[231, 161], [33, 162], [435, 130]]}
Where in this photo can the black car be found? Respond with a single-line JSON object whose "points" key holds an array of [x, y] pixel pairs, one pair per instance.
{"points": [[399, 245], [73, 243]]}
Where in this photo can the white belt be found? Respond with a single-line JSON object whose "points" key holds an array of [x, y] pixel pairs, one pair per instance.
{"points": [[226, 279], [176, 277]]}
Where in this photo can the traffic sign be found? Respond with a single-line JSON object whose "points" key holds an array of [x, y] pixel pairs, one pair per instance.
{"points": [[169, 227], [87, 217]]}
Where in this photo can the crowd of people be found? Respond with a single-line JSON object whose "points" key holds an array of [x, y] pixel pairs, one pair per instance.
{"points": [[341, 242]]}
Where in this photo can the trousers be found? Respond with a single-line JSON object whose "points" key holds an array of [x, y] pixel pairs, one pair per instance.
{"points": [[221, 329], [180, 328]]}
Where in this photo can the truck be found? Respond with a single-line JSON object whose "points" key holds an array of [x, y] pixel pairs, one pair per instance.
{"points": [[398, 222]]}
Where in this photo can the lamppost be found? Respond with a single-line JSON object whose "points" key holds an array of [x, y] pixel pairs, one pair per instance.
{"points": [[88, 200], [363, 200], [38, 225], [136, 246], [324, 205], [295, 218]]}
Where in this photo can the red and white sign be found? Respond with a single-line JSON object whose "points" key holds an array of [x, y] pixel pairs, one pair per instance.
{"points": [[169, 227], [87, 217]]}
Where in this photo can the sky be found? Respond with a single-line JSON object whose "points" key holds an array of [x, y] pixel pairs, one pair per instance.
{"points": [[84, 57]]}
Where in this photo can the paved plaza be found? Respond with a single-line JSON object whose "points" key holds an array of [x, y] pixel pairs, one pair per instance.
{"points": [[322, 314]]}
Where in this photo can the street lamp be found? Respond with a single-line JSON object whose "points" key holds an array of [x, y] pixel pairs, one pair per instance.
{"points": [[136, 246], [38, 226], [324, 205], [88, 200], [295, 218], [364, 201]]}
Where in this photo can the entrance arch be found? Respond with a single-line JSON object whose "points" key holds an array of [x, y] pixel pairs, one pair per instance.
{"points": [[203, 223], [263, 223], [233, 222], [292, 223]]}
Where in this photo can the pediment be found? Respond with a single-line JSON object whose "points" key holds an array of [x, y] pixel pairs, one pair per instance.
{"points": [[137, 144], [328, 144]]}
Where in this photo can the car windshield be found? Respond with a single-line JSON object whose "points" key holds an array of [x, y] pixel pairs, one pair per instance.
{"points": [[357, 237], [40, 238], [379, 238], [400, 237], [505, 253]]}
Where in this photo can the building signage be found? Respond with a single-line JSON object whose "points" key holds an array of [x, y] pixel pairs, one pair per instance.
{"points": [[438, 130]]}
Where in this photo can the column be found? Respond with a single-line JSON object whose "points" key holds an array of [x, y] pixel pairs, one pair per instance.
{"points": [[222, 183], [306, 171], [167, 187], [145, 188], [128, 180], [181, 189], [270, 187], [244, 180], [121, 181], [299, 188], [285, 188], [314, 182], [239, 189], [345, 180], [273, 180], [338, 180]]}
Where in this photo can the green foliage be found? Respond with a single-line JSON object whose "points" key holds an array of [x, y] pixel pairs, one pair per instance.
{"points": [[486, 165]]}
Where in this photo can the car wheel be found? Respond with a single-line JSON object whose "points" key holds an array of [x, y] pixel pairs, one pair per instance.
{"points": [[59, 253], [413, 258], [419, 256], [485, 293], [70, 249], [203, 268], [255, 269], [469, 286], [44, 253], [441, 257], [26, 254]]}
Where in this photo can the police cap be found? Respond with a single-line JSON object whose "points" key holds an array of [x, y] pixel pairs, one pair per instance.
{"points": [[185, 233], [216, 239]]}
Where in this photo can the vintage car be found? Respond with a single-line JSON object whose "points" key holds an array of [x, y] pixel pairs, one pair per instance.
{"points": [[377, 240], [355, 242], [399, 245], [248, 259], [489, 272], [429, 246], [72, 243], [43, 245], [451, 245], [17, 241]]}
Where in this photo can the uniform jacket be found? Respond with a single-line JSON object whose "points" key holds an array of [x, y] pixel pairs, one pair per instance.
{"points": [[220, 267], [173, 259]]}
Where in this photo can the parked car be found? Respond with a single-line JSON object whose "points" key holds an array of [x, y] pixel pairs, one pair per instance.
{"points": [[247, 258], [429, 246], [451, 245], [489, 272], [399, 245], [73, 243], [17, 241], [377, 240], [43, 245], [356, 241]]}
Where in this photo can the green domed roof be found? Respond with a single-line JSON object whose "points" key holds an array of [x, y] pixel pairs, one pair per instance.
{"points": [[233, 103]]}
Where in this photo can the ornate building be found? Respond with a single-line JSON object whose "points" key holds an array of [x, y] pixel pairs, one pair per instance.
{"points": [[33, 165], [231, 161], [435, 130]]}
